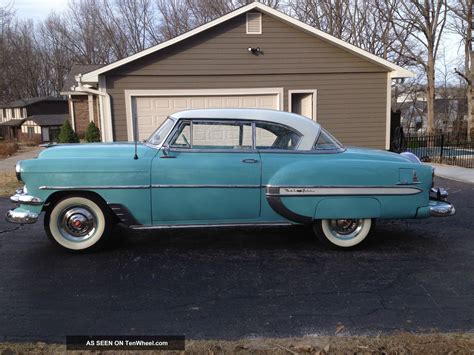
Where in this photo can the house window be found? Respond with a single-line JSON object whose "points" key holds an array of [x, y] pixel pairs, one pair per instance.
{"points": [[31, 132], [13, 112], [24, 113], [254, 23], [4, 113]]}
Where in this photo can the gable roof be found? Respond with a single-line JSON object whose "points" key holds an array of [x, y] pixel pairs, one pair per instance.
{"points": [[75, 70], [13, 123], [395, 70], [49, 120], [30, 101]]}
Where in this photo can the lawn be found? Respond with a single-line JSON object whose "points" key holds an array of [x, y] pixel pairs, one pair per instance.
{"points": [[8, 183], [403, 343]]}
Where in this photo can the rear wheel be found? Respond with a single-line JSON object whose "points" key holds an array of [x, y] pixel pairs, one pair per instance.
{"points": [[78, 223], [342, 233]]}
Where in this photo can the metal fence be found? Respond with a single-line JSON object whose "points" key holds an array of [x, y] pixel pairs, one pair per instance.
{"points": [[452, 149]]}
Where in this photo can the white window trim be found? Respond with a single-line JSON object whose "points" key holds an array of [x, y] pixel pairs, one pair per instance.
{"points": [[388, 111], [90, 105], [130, 94], [305, 91], [71, 112], [247, 23]]}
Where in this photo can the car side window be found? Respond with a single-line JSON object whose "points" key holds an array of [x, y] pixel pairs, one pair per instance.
{"points": [[182, 137], [274, 136], [213, 135], [327, 142]]}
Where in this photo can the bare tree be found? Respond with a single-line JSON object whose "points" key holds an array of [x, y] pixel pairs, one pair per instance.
{"points": [[427, 19], [461, 20]]}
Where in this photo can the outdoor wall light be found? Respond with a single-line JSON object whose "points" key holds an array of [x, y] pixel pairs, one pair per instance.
{"points": [[254, 51]]}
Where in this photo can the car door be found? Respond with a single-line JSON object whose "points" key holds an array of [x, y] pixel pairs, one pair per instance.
{"points": [[209, 174]]}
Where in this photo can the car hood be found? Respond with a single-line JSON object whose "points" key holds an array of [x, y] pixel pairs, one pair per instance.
{"points": [[95, 150], [374, 154]]}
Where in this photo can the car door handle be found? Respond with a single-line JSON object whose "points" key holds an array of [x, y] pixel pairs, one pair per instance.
{"points": [[250, 161]]}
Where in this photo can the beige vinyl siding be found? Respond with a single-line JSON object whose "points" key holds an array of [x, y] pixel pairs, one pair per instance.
{"points": [[224, 51], [351, 106], [351, 99]]}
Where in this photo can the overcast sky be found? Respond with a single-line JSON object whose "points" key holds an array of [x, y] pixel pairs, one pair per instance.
{"points": [[39, 9], [36, 9]]}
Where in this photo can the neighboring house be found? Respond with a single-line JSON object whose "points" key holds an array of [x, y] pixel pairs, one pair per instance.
{"points": [[15, 114], [253, 57], [43, 128], [83, 106], [450, 115]]}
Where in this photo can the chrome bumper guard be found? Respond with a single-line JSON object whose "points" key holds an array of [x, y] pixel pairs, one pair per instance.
{"points": [[439, 207], [21, 217], [23, 198]]}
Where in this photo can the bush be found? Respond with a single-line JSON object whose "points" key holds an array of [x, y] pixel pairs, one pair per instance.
{"points": [[67, 134], [92, 133], [8, 148]]}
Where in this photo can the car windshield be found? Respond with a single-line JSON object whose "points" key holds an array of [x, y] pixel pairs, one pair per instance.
{"points": [[162, 132], [327, 142]]}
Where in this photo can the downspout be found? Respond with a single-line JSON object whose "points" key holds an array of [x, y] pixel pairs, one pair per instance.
{"points": [[105, 97]]}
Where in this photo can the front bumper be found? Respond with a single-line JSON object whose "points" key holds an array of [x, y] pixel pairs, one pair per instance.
{"points": [[21, 215], [438, 205]]}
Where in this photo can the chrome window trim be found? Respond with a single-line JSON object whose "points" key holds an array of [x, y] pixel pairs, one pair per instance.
{"points": [[158, 146], [212, 121], [298, 133], [253, 123], [342, 149]]}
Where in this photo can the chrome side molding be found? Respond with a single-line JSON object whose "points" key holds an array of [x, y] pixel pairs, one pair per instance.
{"points": [[186, 226], [341, 190]]}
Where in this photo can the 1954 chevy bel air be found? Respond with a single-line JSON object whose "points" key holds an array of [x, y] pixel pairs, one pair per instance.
{"points": [[223, 167]]}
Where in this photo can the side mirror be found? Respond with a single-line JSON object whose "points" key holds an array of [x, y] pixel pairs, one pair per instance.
{"points": [[166, 148]]}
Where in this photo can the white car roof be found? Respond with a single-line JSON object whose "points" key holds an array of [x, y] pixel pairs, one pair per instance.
{"points": [[308, 128]]}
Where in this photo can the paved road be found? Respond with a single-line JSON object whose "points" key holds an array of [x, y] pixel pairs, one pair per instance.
{"points": [[415, 275]]}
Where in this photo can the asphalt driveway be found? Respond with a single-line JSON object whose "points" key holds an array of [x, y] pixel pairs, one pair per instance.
{"points": [[414, 275]]}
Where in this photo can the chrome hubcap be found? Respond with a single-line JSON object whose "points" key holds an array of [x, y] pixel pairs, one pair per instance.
{"points": [[77, 224], [346, 228]]}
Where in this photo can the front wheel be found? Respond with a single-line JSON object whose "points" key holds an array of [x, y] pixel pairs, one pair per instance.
{"points": [[78, 223], [342, 233]]}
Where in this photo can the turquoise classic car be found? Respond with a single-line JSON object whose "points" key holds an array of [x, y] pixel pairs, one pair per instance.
{"points": [[223, 167]]}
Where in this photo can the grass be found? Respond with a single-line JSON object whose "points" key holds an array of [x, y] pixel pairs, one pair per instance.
{"points": [[8, 183], [402, 343]]}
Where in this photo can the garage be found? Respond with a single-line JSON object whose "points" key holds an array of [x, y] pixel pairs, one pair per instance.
{"points": [[151, 111]]}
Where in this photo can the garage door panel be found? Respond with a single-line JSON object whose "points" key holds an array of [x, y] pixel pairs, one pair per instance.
{"points": [[152, 111]]}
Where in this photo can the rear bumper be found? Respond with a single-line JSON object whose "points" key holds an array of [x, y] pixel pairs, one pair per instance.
{"points": [[438, 205]]}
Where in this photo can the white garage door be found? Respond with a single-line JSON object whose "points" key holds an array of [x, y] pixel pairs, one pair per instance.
{"points": [[152, 111]]}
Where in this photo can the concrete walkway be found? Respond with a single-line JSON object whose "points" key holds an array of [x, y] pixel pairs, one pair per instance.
{"points": [[8, 164], [454, 173]]}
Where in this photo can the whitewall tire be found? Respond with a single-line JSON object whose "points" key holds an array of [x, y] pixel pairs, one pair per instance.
{"points": [[77, 223], [343, 233]]}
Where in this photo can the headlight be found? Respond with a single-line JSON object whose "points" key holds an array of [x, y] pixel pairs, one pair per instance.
{"points": [[18, 170]]}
